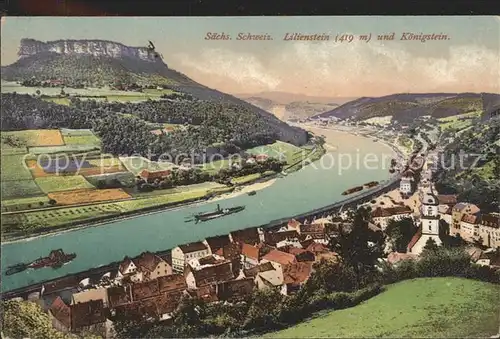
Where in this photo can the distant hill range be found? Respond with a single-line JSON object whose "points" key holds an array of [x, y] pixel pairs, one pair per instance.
{"points": [[290, 105], [407, 106], [99, 63]]}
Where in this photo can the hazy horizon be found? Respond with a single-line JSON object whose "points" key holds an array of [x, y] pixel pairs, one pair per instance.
{"points": [[468, 62]]}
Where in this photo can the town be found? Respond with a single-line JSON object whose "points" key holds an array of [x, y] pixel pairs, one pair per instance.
{"points": [[229, 268]]}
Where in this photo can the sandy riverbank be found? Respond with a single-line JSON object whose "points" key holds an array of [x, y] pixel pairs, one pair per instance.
{"points": [[245, 189]]}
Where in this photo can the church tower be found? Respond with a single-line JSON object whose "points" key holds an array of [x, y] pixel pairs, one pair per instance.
{"points": [[429, 223]]}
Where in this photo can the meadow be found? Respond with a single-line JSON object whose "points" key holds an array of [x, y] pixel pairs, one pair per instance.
{"points": [[459, 121], [426, 307], [137, 164], [62, 183], [279, 150]]}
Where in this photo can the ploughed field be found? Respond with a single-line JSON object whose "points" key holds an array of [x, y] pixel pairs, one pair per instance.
{"points": [[419, 308], [52, 179]]}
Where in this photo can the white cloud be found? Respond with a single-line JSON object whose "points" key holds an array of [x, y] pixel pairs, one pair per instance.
{"points": [[239, 67], [343, 68]]}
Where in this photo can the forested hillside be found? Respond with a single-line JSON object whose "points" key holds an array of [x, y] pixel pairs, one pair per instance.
{"points": [[125, 128]]}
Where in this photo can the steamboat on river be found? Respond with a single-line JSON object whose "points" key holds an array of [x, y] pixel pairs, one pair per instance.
{"points": [[55, 259], [219, 212]]}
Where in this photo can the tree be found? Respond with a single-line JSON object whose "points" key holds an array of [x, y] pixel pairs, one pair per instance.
{"points": [[26, 319], [353, 245], [400, 233], [430, 245], [52, 202]]}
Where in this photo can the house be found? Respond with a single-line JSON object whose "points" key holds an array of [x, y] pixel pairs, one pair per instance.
{"points": [[216, 243], [320, 251], [208, 274], [151, 176], [301, 255], [468, 227], [449, 200], [381, 216], [279, 258], [234, 290], [295, 275], [247, 236], [269, 276], [91, 294], [206, 293], [273, 238], [488, 230], [119, 295], [429, 225], [183, 253], [251, 254], [446, 213], [152, 266], [128, 269], [407, 183], [250, 160], [90, 317], [293, 225], [458, 211], [313, 231]]}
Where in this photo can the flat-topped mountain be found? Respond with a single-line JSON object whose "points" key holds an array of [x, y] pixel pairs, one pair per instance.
{"points": [[99, 63], [97, 48]]}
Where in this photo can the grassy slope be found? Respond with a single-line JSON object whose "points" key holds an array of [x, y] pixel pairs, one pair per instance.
{"points": [[429, 307]]}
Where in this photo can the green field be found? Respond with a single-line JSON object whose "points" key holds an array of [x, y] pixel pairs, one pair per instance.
{"points": [[427, 307], [24, 203], [20, 188], [127, 179], [75, 132], [14, 168], [137, 164], [62, 183], [56, 100], [63, 149], [245, 179], [279, 150], [82, 140], [454, 122]]}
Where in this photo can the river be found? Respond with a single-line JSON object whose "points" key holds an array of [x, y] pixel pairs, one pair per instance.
{"points": [[315, 186]]}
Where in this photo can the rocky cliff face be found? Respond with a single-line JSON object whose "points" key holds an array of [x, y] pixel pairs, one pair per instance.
{"points": [[96, 48]]}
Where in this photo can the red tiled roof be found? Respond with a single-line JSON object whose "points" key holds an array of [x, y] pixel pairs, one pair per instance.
{"points": [[390, 211], [206, 293], [280, 257], [312, 228], [87, 314], [145, 174], [118, 295], [247, 235], [447, 199], [146, 289], [217, 242], [315, 247], [211, 274], [468, 218], [490, 220], [147, 261], [232, 251], [235, 289], [250, 251], [296, 273], [172, 282], [272, 238], [193, 247], [61, 311], [415, 238]]}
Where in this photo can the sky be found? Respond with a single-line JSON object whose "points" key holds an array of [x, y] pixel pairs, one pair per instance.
{"points": [[468, 61]]}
